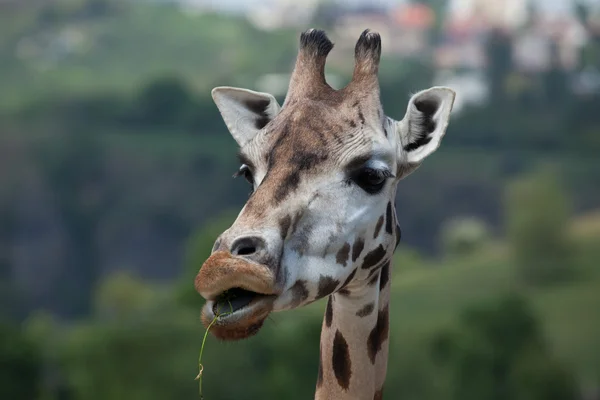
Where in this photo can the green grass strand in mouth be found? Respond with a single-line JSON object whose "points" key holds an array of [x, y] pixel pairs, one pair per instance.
{"points": [[200, 366]]}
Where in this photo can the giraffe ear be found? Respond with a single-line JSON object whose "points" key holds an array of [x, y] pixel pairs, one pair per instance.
{"points": [[425, 123], [244, 111]]}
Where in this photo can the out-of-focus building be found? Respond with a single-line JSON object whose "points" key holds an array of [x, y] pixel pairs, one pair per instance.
{"points": [[277, 14], [404, 28], [509, 14], [462, 43]]}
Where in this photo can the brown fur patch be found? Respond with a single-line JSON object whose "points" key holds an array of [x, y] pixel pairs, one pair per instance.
{"points": [[329, 313], [300, 293], [374, 257], [302, 238], [326, 286], [379, 334], [343, 254], [340, 360], [389, 223], [284, 226], [357, 248], [398, 234], [378, 227], [366, 310], [385, 276], [286, 186]]}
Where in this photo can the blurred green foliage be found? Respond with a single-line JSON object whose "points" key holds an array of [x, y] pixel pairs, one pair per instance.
{"points": [[500, 354], [20, 364], [537, 218], [463, 236]]}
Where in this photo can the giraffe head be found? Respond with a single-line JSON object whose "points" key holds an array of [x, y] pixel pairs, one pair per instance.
{"points": [[323, 169]]}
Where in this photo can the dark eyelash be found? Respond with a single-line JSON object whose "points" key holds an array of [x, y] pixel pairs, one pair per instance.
{"points": [[361, 178], [385, 173]]}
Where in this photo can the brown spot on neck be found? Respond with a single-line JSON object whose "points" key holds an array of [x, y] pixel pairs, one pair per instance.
{"points": [[384, 276], [379, 334], [366, 310], [340, 360], [329, 313]]}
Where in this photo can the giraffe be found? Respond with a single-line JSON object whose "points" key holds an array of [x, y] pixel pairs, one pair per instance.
{"points": [[320, 221]]}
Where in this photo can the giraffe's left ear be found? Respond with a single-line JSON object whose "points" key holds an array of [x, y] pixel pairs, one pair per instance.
{"points": [[244, 111], [425, 123]]}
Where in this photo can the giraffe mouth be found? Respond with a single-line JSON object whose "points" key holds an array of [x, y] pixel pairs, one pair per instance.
{"points": [[237, 313], [240, 295], [233, 300]]}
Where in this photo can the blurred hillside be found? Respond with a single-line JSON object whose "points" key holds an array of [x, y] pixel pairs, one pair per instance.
{"points": [[115, 173]]}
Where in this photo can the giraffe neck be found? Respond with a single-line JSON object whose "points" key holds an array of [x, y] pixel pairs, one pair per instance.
{"points": [[354, 342]]}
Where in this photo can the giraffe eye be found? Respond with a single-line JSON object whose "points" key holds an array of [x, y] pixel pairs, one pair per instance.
{"points": [[371, 180], [246, 173]]}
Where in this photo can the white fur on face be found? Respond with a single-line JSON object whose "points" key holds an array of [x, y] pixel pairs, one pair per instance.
{"points": [[338, 214]]}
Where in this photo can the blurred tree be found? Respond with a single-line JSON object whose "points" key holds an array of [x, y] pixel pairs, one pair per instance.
{"points": [[121, 295], [9, 306], [495, 352], [499, 64], [555, 81], [463, 236], [20, 364], [72, 165], [149, 358], [99, 8], [165, 101], [537, 212], [48, 335]]}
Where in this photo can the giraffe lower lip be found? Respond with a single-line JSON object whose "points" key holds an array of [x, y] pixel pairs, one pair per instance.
{"points": [[237, 319]]}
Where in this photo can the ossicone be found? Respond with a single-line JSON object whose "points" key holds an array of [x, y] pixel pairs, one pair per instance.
{"points": [[309, 73]]}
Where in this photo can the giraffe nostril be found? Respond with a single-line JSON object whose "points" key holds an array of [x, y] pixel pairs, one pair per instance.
{"points": [[244, 251], [247, 246]]}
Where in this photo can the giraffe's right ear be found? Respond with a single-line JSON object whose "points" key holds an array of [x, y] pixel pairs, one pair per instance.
{"points": [[244, 111]]}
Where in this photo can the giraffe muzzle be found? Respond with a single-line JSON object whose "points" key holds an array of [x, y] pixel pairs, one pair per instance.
{"points": [[239, 294], [223, 272]]}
